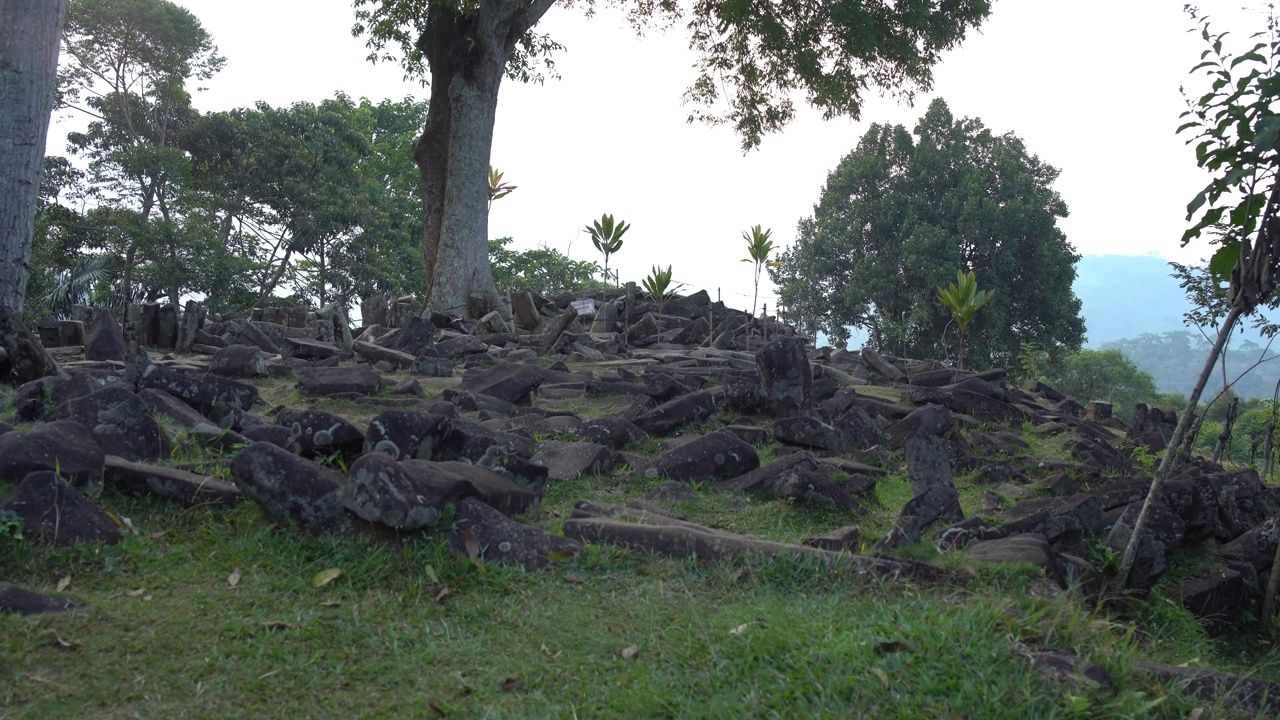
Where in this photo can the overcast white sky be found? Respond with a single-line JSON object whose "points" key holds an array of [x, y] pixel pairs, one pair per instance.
{"points": [[1090, 85]]}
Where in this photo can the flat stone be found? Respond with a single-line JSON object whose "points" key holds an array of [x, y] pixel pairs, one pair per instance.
{"points": [[121, 424], [715, 456], [320, 381], [170, 483], [21, 601], [568, 460]]}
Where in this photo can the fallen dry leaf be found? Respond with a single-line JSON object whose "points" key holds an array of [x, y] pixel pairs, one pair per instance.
{"points": [[511, 684], [60, 642], [136, 593], [472, 543], [884, 677], [629, 652], [266, 675], [561, 555], [1196, 714], [444, 593], [437, 708], [324, 577], [331, 603], [276, 625], [159, 534], [740, 629], [574, 579], [64, 583], [234, 578]]}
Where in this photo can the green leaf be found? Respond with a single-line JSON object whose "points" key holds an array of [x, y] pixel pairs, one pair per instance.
{"points": [[1224, 261]]}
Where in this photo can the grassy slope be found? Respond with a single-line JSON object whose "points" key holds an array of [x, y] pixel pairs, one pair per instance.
{"points": [[412, 630]]}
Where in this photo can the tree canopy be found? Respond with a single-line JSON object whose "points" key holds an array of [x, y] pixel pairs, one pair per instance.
{"points": [[903, 211], [753, 60]]}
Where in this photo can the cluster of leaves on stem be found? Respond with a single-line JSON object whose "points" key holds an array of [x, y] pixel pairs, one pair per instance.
{"points": [[657, 284], [964, 300], [606, 234]]}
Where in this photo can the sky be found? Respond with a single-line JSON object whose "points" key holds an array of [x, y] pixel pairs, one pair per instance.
{"points": [[1091, 86]]}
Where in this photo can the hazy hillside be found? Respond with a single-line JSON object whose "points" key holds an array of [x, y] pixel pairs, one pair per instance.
{"points": [[1125, 296]]}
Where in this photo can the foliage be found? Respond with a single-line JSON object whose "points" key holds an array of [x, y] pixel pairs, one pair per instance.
{"points": [[656, 285], [902, 209], [497, 188], [606, 235], [758, 248], [1102, 375], [1236, 131], [964, 300], [545, 271], [126, 64]]}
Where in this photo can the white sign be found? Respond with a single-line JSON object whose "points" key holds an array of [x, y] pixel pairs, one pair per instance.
{"points": [[585, 308]]}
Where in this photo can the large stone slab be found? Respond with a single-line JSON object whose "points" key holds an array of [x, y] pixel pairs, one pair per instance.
{"points": [[63, 446], [509, 381], [170, 483], [53, 512], [568, 460], [319, 381], [668, 416], [406, 435], [291, 489], [715, 456], [121, 423], [786, 378], [493, 537]]}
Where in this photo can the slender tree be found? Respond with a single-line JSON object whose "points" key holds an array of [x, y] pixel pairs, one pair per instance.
{"points": [[753, 59], [29, 33]]}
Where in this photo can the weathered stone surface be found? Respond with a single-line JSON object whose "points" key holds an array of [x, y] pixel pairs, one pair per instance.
{"points": [[671, 491], [21, 601], [1030, 548], [63, 445], [406, 435], [1251, 693], [936, 500], [1163, 534], [278, 435], [319, 381], [105, 340], [743, 394], [379, 490], [25, 358], [860, 430], [318, 434], [680, 411], [238, 361], [715, 456], [882, 366], [251, 333], [53, 512], [461, 479], [762, 479], [568, 460], [786, 378], [480, 445], [845, 539], [121, 423], [170, 483], [461, 346], [815, 488], [376, 353], [926, 420], [1216, 596], [509, 381], [37, 398], [416, 336], [290, 488], [296, 347], [490, 535], [204, 392], [809, 432], [433, 367]]}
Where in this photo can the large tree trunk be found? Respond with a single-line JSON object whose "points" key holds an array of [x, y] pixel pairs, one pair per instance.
{"points": [[30, 32], [467, 54]]}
